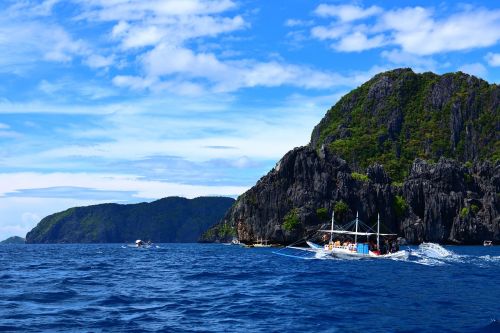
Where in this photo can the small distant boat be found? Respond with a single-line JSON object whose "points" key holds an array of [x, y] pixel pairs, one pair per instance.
{"points": [[487, 243], [234, 241], [261, 243], [355, 250], [142, 244]]}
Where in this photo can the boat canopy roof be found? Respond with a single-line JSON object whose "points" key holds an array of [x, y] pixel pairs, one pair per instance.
{"points": [[359, 233], [362, 230]]}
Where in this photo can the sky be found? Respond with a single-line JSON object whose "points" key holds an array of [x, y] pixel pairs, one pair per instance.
{"points": [[134, 100]]}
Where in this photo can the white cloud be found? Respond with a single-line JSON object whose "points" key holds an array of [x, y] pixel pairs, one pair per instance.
{"points": [[221, 76], [476, 69], [7, 107], [417, 63], [415, 30], [175, 31], [297, 23], [29, 218], [99, 61], [493, 59], [66, 90], [358, 41], [27, 43], [138, 10], [145, 189], [5, 132], [346, 12], [148, 23], [333, 31], [31, 8]]}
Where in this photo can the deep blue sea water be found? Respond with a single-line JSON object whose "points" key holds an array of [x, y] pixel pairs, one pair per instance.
{"points": [[217, 288]]}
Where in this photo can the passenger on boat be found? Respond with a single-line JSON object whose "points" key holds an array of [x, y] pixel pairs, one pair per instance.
{"points": [[394, 246], [384, 247]]}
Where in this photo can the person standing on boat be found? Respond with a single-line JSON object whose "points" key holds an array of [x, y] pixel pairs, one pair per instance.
{"points": [[395, 246], [384, 248]]}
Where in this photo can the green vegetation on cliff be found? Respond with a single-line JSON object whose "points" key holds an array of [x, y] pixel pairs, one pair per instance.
{"points": [[291, 220], [172, 219], [398, 116]]}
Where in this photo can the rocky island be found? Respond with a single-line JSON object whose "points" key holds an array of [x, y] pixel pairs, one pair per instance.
{"points": [[422, 150], [13, 240], [172, 219]]}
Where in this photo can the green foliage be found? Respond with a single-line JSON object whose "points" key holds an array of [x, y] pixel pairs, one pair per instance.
{"points": [[291, 220], [360, 127], [464, 212], [474, 208], [359, 176], [400, 205], [226, 230], [468, 164], [252, 200], [172, 219], [397, 184], [341, 207], [322, 214]]}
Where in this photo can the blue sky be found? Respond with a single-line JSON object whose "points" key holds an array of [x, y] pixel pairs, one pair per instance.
{"points": [[134, 100]]}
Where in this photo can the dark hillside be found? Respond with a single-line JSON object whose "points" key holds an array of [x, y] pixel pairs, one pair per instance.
{"points": [[172, 219]]}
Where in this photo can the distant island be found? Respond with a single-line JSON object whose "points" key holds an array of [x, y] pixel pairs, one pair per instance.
{"points": [[13, 240], [421, 150], [172, 219]]}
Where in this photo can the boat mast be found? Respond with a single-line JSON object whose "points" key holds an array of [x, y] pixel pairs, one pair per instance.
{"points": [[378, 231], [356, 234], [331, 233]]}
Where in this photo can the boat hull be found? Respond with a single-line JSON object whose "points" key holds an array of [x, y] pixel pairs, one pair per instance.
{"points": [[346, 253]]}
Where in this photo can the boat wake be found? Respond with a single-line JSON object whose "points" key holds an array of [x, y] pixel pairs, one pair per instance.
{"points": [[427, 254], [434, 250], [432, 254]]}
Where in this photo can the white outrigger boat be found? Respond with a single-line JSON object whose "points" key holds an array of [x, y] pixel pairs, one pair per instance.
{"points": [[261, 243], [354, 250]]}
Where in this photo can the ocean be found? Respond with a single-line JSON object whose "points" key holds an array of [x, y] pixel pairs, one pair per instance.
{"points": [[218, 288]]}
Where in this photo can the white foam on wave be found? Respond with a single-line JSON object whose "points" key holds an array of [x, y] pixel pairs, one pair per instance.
{"points": [[421, 258], [434, 250], [490, 258]]}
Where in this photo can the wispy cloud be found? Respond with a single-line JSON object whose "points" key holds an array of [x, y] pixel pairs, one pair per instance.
{"points": [[19, 184], [415, 30], [346, 13], [493, 59], [26, 43], [476, 68]]}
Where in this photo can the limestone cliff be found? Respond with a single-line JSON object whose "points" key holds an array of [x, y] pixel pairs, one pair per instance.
{"points": [[420, 149]]}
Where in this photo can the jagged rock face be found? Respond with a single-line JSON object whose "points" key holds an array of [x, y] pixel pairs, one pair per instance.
{"points": [[451, 203], [445, 202], [387, 128], [308, 180]]}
